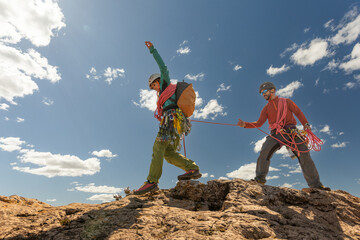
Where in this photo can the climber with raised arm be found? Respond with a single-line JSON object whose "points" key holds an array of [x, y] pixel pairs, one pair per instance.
{"points": [[173, 124]]}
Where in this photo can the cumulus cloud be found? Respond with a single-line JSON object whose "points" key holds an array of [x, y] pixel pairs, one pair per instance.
{"points": [[92, 188], [247, 172], [109, 74], [330, 25], [51, 200], [288, 91], [237, 67], [308, 55], [34, 20], [349, 28], [52, 165], [112, 74], [306, 30], [354, 62], [258, 145], [205, 175], [11, 144], [102, 197], [104, 153], [223, 88], [197, 77], [183, 50], [332, 65], [326, 129], [148, 99], [351, 85], [20, 120], [272, 71], [199, 101], [212, 109], [4, 106], [47, 101], [339, 145]]}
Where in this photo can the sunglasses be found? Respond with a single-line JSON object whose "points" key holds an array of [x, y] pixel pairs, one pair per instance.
{"points": [[265, 91]]}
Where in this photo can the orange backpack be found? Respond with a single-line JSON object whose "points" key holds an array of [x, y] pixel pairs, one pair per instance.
{"points": [[185, 98]]}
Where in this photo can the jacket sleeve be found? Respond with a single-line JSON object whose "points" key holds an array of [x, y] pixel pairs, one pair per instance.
{"points": [[296, 110], [163, 68], [260, 121]]}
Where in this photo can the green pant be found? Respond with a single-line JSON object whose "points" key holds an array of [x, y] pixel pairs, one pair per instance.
{"points": [[167, 150]]}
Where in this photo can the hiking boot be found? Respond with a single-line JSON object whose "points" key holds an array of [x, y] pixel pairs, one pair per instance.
{"points": [[262, 182], [147, 187], [191, 174], [323, 188]]}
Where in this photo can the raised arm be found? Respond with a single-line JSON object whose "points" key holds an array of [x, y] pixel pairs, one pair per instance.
{"points": [[165, 78]]}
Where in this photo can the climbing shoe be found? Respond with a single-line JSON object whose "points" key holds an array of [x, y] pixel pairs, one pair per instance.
{"points": [[147, 187], [191, 174], [323, 188], [262, 182]]}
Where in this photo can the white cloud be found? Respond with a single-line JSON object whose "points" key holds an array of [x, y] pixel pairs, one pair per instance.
{"points": [[223, 88], [258, 144], [205, 175], [317, 82], [326, 129], [332, 65], [102, 197], [33, 20], [247, 172], [47, 101], [184, 42], [91, 188], [7, 119], [112, 74], [20, 120], [288, 185], [52, 165], [223, 178], [292, 48], [272, 71], [104, 153], [36, 21], [358, 181], [212, 176], [20, 68], [317, 49], [349, 29], [272, 177], [288, 91], [354, 62], [330, 25], [4, 106], [11, 144], [148, 99], [51, 200], [339, 145], [199, 76], [296, 170], [199, 101], [212, 110], [183, 50], [237, 67], [306, 30]]}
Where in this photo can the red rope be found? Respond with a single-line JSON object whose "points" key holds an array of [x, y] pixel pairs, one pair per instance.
{"points": [[313, 142]]}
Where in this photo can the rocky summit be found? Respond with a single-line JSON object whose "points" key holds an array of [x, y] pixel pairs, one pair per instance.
{"points": [[220, 209]]}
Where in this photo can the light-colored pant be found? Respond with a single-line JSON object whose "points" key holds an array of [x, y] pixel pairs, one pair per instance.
{"points": [[270, 146], [167, 150]]}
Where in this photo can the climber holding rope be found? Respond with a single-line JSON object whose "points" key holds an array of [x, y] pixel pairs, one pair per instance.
{"points": [[279, 112]]}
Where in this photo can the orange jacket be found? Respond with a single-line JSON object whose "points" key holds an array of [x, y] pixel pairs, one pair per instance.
{"points": [[270, 112]]}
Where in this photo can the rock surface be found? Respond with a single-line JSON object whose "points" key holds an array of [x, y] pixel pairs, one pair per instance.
{"points": [[220, 209]]}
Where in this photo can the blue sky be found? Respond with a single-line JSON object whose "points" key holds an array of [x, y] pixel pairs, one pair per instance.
{"points": [[76, 114]]}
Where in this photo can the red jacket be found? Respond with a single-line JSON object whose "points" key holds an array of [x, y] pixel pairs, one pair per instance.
{"points": [[270, 112]]}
